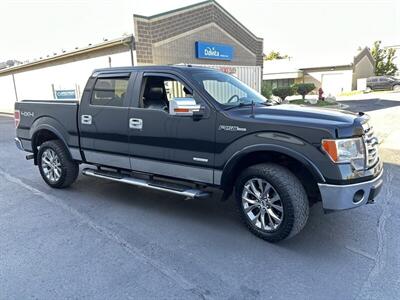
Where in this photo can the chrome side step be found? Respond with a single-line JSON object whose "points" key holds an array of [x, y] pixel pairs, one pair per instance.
{"points": [[185, 191]]}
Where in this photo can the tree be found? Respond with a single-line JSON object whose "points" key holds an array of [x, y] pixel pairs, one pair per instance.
{"points": [[303, 88], [384, 58], [266, 90], [283, 92], [275, 55]]}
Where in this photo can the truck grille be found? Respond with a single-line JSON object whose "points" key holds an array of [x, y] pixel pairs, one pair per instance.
{"points": [[371, 145]]}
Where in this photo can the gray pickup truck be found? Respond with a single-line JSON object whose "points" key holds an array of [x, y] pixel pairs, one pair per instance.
{"points": [[189, 131]]}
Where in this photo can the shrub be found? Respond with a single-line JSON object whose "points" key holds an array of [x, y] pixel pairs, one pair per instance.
{"points": [[283, 92], [303, 88], [266, 90]]}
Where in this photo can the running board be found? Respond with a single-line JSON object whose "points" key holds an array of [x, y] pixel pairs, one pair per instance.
{"points": [[182, 190]]}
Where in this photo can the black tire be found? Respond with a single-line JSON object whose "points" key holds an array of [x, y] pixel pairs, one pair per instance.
{"points": [[69, 168], [293, 201]]}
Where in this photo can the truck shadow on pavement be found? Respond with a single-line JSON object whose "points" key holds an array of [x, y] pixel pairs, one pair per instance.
{"points": [[212, 221]]}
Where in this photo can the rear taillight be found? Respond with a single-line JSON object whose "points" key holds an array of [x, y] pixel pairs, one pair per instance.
{"points": [[17, 118]]}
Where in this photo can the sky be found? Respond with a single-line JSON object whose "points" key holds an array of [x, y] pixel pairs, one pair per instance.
{"points": [[307, 30]]}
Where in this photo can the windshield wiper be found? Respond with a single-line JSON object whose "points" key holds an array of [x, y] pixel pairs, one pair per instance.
{"points": [[241, 104]]}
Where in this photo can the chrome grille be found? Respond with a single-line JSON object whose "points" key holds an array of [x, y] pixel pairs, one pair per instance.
{"points": [[371, 145]]}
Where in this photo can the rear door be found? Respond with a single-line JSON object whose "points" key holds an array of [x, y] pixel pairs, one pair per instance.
{"points": [[103, 119], [170, 145]]}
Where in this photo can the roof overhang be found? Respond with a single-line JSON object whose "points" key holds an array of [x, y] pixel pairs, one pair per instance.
{"points": [[124, 41], [283, 75]]}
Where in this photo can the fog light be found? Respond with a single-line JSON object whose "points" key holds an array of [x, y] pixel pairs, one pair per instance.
{"points": [[358, 196]]}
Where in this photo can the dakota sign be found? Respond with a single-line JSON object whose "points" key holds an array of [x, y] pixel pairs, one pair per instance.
{"points": [[205, 50], [65, 94]]}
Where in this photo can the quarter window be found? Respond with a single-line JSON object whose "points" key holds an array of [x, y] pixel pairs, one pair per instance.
{"points": [[109, 91]]}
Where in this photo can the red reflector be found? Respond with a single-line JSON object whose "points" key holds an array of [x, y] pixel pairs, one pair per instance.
{"points": [[17, 118], [181, 109]]}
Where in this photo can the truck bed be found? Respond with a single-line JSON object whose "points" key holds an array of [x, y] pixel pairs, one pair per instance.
{"points": [[61, 115]]}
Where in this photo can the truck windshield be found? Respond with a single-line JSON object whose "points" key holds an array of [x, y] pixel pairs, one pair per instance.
{"points": [[228, 90]]}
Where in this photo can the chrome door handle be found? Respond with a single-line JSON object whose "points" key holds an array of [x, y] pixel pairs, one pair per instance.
{"points": [[135, 123], [86, 119]]}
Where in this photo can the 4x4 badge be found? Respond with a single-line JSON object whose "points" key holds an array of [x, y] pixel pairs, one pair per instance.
{"points": [[231, 128]]}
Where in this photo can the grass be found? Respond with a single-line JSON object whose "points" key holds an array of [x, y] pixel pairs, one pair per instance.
{"points": [[319, 103], [351, 93]]}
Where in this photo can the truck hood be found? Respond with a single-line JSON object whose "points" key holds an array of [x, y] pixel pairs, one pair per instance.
{"points": [[307, 114], [339, 123]]}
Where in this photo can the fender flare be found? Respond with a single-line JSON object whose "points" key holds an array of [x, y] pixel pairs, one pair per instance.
{"points": [[52, 125], [230, 165]]}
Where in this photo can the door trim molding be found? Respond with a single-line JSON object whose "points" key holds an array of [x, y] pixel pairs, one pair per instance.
{"points": [[199, 174]]}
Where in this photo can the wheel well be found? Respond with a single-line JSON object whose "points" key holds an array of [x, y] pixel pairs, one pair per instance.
{"points": [[39, 138], [307, 179]]}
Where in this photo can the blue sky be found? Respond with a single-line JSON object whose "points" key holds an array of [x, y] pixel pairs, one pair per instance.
{"points": [[304, 29]]}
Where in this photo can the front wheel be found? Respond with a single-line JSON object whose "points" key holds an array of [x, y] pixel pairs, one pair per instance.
{"points": [[272, 202], [55, 165]]}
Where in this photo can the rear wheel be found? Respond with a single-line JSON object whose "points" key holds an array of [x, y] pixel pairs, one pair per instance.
{"points": [[272, 202], [55, 165]]}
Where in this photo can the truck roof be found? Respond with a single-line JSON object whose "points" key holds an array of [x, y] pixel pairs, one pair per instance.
{"points": [[181, 68]]}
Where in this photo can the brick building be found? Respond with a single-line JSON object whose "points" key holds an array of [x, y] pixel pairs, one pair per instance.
{"points": [[170, 37]]}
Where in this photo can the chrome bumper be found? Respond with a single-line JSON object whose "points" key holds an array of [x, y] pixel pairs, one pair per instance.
{"points": [[18, 143], [339, 197]]}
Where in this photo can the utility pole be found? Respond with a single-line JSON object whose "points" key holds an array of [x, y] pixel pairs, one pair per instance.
{"points": [[15, 87]]}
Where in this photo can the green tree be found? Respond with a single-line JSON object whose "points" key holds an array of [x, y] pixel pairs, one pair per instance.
{"points": [[303, 88], [266, 90], [275, 55], [283, 92], [384, 58]]}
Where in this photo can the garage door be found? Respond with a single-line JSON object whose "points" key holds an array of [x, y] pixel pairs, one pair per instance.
{"points": [[333, 84]]}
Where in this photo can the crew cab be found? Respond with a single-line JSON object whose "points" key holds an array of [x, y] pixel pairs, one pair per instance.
{"points": [[191, 131]]}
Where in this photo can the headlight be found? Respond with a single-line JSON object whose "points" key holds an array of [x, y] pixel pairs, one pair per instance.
{"points": [[346, 151]]}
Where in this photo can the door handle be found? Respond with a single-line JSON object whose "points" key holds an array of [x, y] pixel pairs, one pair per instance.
{"points": [[86, 119], [135, 123]]}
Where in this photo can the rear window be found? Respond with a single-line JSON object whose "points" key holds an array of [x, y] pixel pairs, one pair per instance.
{"points": [[109, 91]]}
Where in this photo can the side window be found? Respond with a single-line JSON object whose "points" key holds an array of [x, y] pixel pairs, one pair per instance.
{"points": [[157, 91], [109, 91]]}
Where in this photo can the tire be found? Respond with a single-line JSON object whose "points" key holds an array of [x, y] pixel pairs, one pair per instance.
{"points": [[53, 158], [286, 187], [396, 88]]}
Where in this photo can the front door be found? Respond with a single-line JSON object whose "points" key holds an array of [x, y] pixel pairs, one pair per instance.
{"points": [[103, 120], [170, 145]]}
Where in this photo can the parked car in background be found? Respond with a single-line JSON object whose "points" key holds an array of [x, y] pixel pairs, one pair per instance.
{"points": [[383, 83]]}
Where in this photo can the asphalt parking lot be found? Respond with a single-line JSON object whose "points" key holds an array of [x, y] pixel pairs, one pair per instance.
{"points": [[104, 240]]}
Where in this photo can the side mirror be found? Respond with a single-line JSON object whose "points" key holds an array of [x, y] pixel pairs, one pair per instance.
{"points": [[183, 107]]}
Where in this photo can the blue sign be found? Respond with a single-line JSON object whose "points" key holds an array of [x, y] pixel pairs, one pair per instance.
{"points": [[65, 94], [207, 50]]}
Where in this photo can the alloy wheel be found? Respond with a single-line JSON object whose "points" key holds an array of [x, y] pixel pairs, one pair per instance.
{"points": [[51, 165], [262, 204]]}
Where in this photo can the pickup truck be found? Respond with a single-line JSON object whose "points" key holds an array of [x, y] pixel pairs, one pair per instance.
{"points": [[192, 131]]}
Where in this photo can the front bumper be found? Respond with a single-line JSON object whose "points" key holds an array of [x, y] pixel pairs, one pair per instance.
{"points": [[339, 197]]}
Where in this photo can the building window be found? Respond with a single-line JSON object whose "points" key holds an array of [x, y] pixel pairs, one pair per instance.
{"points": [[278, 83]]}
